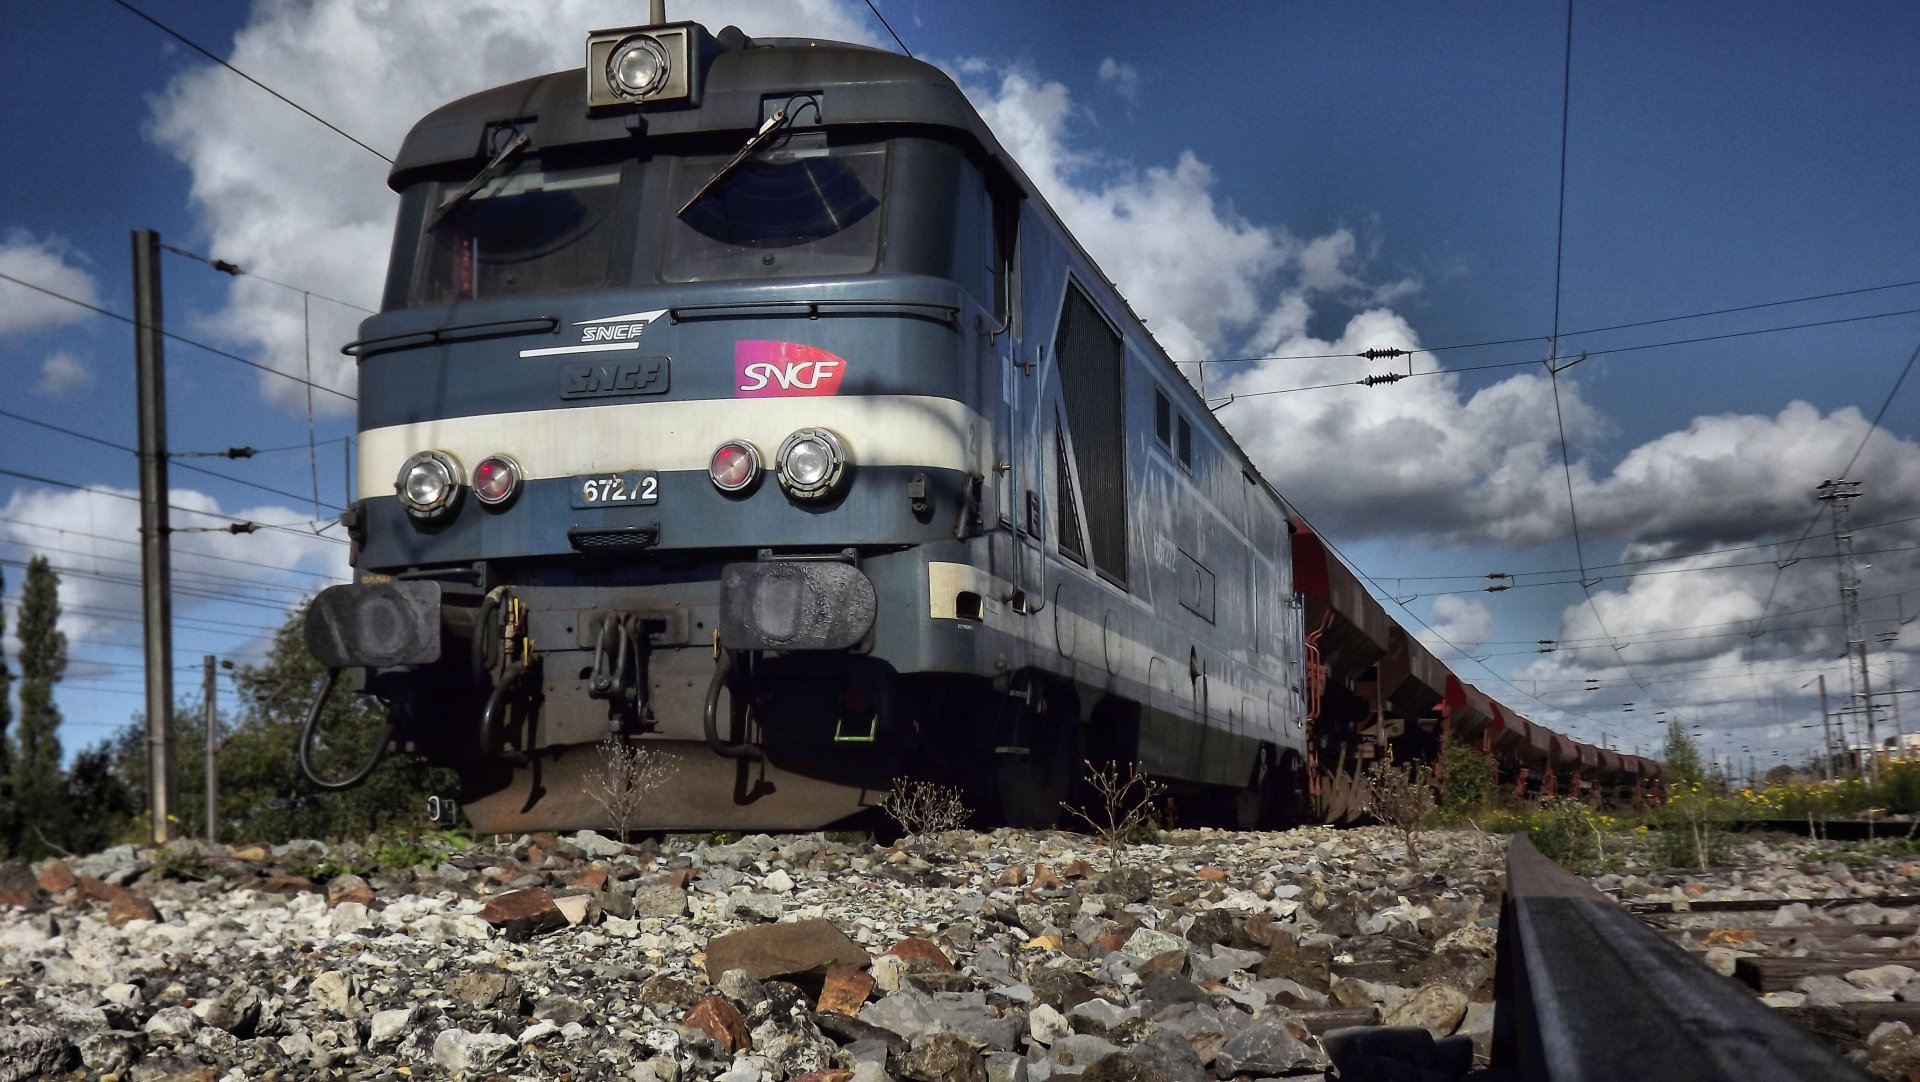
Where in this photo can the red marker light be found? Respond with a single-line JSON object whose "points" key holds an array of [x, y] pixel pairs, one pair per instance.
{"points": [[735, 466], [496, 479]]}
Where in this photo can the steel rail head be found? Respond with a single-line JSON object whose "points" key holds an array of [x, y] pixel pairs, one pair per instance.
{"points": [[1583, 990]]}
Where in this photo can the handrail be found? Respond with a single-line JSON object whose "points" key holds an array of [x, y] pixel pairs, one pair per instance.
{"points": [[947, 314], [459, 332], [1583, 991]]}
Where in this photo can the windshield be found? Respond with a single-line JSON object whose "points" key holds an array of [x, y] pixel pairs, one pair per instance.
{"points": [[804, 207], [533, 230]]}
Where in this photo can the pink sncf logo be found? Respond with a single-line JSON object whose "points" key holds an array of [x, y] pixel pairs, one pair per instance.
{"points": [[779, 369]]}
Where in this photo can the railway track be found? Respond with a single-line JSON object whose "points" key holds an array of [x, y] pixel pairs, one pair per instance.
{"points": [[1837, 967], [1588, 988]]}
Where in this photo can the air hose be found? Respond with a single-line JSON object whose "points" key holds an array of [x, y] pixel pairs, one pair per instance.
{"points": [[489, 741], [742, 750], [304, 749]]}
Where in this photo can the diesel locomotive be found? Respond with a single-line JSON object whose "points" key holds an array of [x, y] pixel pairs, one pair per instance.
{"points": [[743, 401]]}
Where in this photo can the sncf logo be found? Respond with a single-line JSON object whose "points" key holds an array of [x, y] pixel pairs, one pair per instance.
{"points": [[779, 369]]}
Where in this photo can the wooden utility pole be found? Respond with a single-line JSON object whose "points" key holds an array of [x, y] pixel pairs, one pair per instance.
{"points": [[156, 572], [208, 688]]}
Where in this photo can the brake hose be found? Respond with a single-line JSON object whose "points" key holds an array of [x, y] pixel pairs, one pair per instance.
{"points": [[495, 700], [742, 750], [304, 748]]}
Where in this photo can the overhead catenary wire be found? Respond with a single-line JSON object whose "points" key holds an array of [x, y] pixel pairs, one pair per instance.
{"points": [[23, 419], [178, 552], [1821, 510], [233, 269], [207, 579], [1632, 575], [1589, 353], [203, 593], [1690, 555], [233, 628], [308, 531], [1522, 339], [223, 62], [180, 338]]}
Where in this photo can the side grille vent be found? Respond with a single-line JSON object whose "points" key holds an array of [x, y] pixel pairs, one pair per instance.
{"points": [[1093, 381]]}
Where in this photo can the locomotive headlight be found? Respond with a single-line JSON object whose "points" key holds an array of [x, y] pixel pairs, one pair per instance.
{"points": [[812, 463], [630, 66], [735, 466], [429, 484], [496, 479], [638, 67]]}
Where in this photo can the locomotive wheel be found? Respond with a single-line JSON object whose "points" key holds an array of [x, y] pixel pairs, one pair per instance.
{"points": [[1026, 789], [1251, 808], [1283, 796]]}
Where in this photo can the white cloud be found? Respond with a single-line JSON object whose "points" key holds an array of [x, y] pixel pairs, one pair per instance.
{"points": [[48, 262], [280, 195], [1122, 78], [1196, 270], [62, 372], [1462, 621], [94, 537]]}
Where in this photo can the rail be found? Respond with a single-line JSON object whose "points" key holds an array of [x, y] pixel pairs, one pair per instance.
{"points": [[1583, 990]]}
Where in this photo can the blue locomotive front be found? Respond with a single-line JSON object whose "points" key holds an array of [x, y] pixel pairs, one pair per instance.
{"points": [[692, 419]]}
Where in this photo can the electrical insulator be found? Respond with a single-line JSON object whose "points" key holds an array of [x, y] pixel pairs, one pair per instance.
{"points": [[1375, 381], [1381, 354]]}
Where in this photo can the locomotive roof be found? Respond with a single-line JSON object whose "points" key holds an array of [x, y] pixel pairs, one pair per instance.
{"points": [[857, 84]]}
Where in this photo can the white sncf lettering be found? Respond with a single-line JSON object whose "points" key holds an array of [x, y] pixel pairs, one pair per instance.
{"points": [[793, 375], [621, 328], [621, 333]]}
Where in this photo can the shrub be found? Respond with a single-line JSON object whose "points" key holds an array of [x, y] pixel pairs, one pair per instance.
{"points": [[923, 807], [1126, 805], [1402, 798], [1467, 778]]}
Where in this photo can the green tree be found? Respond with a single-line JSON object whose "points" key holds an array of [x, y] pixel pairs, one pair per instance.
{"points": [[36, 742], [263, 796], [1682, 757], [262, 793], [103, 807]]}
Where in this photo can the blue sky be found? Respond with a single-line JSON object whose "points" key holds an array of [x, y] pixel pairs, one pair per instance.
{"points": [[1260, 179]]}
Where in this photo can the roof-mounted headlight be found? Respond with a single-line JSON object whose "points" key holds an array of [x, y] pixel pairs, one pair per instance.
{"points": [[635, 65], [638, 67], [429, 484]]}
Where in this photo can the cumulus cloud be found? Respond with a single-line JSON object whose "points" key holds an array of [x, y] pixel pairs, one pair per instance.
{"points": [[1462, 621], [1123, 79], [1735, 639], [1194, 268], [62, 373], [48, 262], [282, 196]]}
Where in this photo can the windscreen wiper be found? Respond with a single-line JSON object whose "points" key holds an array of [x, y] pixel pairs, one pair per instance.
{"points": [[768, 129], [480, 180]]}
